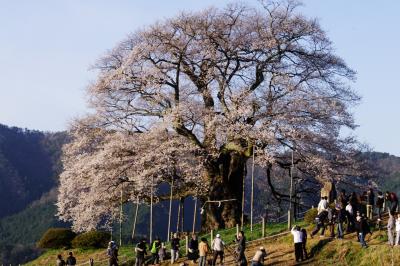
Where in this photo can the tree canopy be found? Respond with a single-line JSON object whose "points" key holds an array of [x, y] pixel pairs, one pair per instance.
{"points": [[188, 98]]}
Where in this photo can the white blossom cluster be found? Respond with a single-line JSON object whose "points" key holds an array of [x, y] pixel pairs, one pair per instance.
{"points": [[173, 97]]}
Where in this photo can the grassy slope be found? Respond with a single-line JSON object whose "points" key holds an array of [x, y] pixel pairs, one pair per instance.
{"points": [[325, 251], [126, 252]]}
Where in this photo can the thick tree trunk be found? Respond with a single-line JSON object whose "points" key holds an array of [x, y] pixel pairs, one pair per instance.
{"points": [[226, 176]]}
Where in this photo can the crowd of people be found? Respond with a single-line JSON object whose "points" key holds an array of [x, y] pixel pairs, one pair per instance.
{"points": [[350, 213], [356, 211], [198, 251]]}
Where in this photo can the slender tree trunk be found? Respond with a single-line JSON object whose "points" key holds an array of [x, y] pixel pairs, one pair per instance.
{"points": [[226, 177]]}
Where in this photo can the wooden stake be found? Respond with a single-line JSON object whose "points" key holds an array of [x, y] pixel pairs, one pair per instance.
{"points": [[170, 210]]}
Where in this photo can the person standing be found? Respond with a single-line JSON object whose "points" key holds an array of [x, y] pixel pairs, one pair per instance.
{"points": [[297, 239], [60, 261], [343, 197], [141, 251], [341, 217], [162, 254], [350, 218], [155, 248], [203, 250], [217, 246], [379, 206], [397, 242], [241, 242], [259, 257], [354, 202], [112, 254], [193, 254], [71, 260], [370, 203], [304, 242], [392, 199], [323, 205], [390, 227], [174, 248], [331, 221], [362, 229]]}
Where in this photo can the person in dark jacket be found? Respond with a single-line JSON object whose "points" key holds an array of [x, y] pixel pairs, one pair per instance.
{"points": [[343, 198], [112, 254], [320, 219], [174, 248], [379, 204], [363, 229], [241, 247], [354, 202], [141, 251], [71, 260], [304, 242], [193, 254], [331, 221], [393, 201], [370, 203], [340, 219]]}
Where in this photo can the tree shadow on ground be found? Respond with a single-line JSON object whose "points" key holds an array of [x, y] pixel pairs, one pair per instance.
{"points": [[318, 247]]}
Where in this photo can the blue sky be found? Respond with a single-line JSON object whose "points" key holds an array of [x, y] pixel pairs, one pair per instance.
{"points": [[47, 48]]}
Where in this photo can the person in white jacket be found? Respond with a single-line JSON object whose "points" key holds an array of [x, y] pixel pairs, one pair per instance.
{"points": [[323, 205], [217, 246], [397, 242], [298, 240]]}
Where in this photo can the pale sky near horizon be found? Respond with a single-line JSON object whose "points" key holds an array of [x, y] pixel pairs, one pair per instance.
{"points": [[47, 47]]}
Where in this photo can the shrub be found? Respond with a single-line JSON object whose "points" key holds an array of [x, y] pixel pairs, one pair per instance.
{"points": [[56, 238], [91, 239], [310, 215]]}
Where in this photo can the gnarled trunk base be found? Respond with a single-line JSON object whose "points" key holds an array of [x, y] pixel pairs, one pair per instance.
{"points": [[226, 177]]}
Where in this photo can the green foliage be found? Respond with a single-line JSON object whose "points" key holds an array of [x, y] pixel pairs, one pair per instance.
{"points": [[310, 215], [56, 238], [91, 239]]}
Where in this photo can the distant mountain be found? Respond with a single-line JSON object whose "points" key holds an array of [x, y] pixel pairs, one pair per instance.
{"points": [[29, 166]]}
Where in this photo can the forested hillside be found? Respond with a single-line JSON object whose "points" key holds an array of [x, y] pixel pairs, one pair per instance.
{"points": [[29, 168], [29, 164]]}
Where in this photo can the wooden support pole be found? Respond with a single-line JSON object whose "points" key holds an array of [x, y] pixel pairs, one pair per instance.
{"points": [[211, 236], [170, 210], [135, 217], [151, 211], [187, 244], [194, 215], [120, 217], [252, 191], [263, 227]]}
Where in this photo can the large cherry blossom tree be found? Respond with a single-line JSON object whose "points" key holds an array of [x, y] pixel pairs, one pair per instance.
{"points": [[188, 98]]}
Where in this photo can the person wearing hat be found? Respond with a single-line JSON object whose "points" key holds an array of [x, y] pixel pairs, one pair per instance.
{"points": [[258, 259], [217, 246]]}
